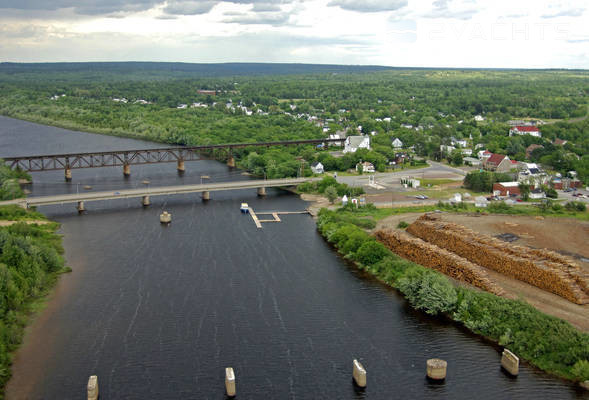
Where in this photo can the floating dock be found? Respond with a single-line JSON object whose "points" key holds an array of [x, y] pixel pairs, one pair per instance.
{"points": [[275, 215]]}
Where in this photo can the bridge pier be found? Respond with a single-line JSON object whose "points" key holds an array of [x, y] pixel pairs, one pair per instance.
{"points": [[231, 162], [180, 166], [262, 191], [68, 174], [145, 201], [92, 388], [80, 207], [206, 195], [126, 170]]}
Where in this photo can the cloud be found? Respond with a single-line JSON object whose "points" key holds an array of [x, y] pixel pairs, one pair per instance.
{"points": [[572, 12], [189, 7], [368, 5], [274, 19], [86, 7], [441, 9], [266, 7]]}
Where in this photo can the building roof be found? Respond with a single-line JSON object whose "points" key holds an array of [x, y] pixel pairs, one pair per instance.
{"points": [[527, 128], [315, 164], [509, 184], [355, 141], [496, 158], [534, 171], [560, 142]]}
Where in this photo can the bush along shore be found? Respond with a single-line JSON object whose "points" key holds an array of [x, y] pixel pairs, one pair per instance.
{"points": [[30, 261], [549, 343]]}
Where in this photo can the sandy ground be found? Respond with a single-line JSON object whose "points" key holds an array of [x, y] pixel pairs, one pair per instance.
{"points": [[8, 223], [317, 203], [566, 236]]}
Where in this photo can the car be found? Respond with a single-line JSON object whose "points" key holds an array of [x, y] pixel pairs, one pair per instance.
{"points": [[519, 200], [568, 190], [117, 193]]}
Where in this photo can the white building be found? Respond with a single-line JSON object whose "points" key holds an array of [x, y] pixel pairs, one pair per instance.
{"points": [[525, 130], [354, 143], [366, 167], [481, 202], [397, 144], [317, 168]]}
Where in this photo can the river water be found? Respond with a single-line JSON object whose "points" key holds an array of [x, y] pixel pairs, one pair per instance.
{"points": [[158, 312]]}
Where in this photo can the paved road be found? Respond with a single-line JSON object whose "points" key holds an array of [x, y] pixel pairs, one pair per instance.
{"points": [[388, 178]]}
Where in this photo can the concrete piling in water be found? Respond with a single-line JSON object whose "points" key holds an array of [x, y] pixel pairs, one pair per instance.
{"points": [[165, 217], [180, 166], [145, 201], [510, 362], [206, 195], [262, 191], [80, 207], [230, 382], [68, 174], [231, 162], [436, 369], [359, 374], [92, 388], [126, 170]]}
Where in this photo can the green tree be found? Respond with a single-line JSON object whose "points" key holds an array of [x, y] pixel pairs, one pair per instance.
{"points": [[524, 190], [331, 193]]}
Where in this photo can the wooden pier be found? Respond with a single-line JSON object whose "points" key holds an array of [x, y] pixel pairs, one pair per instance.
{"points": [[275, 215]]}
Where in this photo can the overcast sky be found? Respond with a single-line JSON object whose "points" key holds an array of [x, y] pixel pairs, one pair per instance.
{"points": [[419, 33]]}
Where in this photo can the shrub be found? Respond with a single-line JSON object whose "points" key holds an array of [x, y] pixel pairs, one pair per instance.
{"points": [[402, 225], [551, 193], [371, 252], [427, 290], [581, 370]]}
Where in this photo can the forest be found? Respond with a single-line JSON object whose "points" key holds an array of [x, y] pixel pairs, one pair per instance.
{"points": [[219, 103]]}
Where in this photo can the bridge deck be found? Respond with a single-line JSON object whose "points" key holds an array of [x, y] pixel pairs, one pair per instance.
{"points": [[154, 191]]}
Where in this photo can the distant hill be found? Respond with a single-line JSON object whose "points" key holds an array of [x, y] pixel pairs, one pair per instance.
{"points": [[184, 69]]}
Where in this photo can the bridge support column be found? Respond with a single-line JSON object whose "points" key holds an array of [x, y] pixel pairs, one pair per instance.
{"points": [[68, 174], [230, 382], [231, 162], [92, 388], [206, 195], [126, 170], [262, 191], [80, 207], [180, 166], [145, 201]]}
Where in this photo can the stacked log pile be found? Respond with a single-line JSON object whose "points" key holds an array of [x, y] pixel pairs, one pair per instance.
{"points": [[542, 268], [431, 256]]}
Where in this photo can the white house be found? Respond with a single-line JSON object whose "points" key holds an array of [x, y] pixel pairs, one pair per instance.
{"points": [[525, 130], [354, 143], [447, 149], [537, 194], [397, 144], [466, 152], [458, 142], [317, 168], [475, 162], [366, 167], [484, 155], [479, 118], [456, 198]]}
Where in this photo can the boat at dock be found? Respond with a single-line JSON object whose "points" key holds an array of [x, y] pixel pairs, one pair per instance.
{"points": [[244, 208]]}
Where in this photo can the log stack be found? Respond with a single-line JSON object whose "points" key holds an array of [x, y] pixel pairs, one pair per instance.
{"points": [[541, 268], [434, 257]]}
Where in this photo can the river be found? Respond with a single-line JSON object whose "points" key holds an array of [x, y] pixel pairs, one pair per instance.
{"points": [[158, 312]]}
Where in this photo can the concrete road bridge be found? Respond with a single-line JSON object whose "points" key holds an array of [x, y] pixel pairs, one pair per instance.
{"points": [[146, 193], [126, 158]]}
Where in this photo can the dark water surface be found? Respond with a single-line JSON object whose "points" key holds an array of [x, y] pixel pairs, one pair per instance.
{"points": [[158, 312]]}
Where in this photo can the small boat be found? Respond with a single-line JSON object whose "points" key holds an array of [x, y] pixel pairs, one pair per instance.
{"points": [[165, 217], [244, 208]]}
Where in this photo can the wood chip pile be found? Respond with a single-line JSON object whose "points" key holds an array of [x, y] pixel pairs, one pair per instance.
{"points": [[431, 256], [542, 268]]}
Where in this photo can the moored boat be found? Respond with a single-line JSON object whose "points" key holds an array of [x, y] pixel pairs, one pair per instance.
{"points": [[244, 208]]}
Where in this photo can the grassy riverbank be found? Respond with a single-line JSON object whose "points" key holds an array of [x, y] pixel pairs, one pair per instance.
{"points": [[30, 261], [546, 342]]}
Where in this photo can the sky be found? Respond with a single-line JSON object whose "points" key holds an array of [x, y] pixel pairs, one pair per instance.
{"points": [[404, 33]]}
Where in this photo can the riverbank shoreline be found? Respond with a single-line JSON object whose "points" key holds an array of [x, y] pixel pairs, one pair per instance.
{"points": [[336, 233]]}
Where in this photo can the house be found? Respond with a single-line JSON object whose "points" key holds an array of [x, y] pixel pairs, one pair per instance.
{"points": [[456, 198], [537, 194], [354, 143], [484, 155], [317, 168], [505, 188], [525, 130], [499, 163], [475, 162], [531, 148], [466, 152], [479, 118], [458, 142], [366, 167], [397, 144], [532, 174], [447, 149], [481, 202], [479, 146], [560, 142]]}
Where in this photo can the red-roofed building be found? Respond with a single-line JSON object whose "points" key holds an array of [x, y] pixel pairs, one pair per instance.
{"points": [[560, 142], [525, 130], [499, 163]]}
